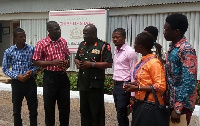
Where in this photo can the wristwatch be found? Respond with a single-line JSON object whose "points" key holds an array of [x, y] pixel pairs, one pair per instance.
{"points": [[93, 64], [177, 111]]}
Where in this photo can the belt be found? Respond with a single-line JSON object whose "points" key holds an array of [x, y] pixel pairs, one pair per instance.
{"points": [[54, 72], [120, 82], [31, 78]]}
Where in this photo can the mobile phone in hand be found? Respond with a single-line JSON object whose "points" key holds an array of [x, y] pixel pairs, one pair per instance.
{"points": [[125, 85]]}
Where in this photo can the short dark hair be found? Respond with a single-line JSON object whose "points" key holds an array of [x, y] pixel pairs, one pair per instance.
{"points": [[93, 28], [146, 40], [178, 21], [121, 30], [16, 30], [50, 24], [152, 30]]}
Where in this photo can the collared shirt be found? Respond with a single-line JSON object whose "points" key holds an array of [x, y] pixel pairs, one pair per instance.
{"points": [[150, 72], [48, 50], [19, 59], [124, 61], [93, 78], [181, 74]]}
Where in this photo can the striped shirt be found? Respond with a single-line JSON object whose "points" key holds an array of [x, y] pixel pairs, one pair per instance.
{"points": [[48, 50], [19, 59]]}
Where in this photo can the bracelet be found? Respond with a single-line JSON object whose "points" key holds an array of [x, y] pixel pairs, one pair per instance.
{"points": [[93, 64], [138, 87]]}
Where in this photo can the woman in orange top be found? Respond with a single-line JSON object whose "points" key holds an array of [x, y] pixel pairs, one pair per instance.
{"points": [[148, 71]]}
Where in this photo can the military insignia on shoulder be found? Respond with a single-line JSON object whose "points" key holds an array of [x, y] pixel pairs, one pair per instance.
{"points": [[108, 47], [84, 43], [96, 51], [95, 44]]}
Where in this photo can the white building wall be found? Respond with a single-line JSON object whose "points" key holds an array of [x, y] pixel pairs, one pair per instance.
{"points": [[35, 30]]}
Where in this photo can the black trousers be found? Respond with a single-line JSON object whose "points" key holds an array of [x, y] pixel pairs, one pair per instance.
{"points": [[28, 90], [56, 88], [122, 100], [92, 108]]}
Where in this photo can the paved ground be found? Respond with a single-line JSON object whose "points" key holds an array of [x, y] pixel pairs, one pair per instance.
{"points": [[6, 118]]}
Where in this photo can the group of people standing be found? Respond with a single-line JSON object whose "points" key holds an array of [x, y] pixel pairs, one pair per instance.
{"points": [[174, 79], [53, 55]]}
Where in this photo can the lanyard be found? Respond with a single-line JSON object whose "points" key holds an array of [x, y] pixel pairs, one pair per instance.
{"points": [[139, 65]]}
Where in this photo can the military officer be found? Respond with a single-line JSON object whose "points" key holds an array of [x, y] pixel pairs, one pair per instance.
{"points": [[92, 58]]}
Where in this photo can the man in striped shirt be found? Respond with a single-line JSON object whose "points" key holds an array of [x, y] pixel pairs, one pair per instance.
{"points": [[19, 57], [52, 54]]}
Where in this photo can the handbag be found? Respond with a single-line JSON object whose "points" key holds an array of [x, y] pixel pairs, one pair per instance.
{"points": [[146, 113]]}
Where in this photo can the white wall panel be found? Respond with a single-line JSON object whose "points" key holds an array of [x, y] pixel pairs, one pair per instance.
{"points": [[196, 30], [35, 30], [129, 30], [134, 24], [72, 64]]}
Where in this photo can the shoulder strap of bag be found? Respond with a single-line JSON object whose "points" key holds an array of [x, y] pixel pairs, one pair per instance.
{"points": [[154, 94], [146, 96]]}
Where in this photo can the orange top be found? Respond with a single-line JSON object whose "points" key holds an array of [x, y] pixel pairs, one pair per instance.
{"points": [[151, 73]]}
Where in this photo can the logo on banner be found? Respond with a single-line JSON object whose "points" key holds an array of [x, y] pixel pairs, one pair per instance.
{"points": [[76, 33]]}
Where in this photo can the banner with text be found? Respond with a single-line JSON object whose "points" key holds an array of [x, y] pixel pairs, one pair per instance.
{"points": [[72, 23]]}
